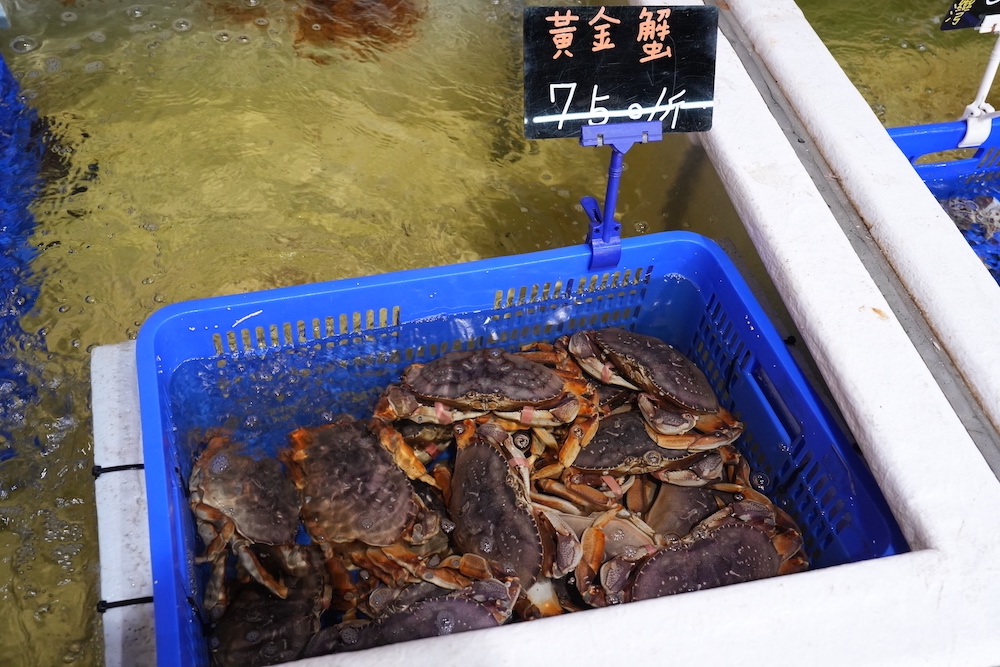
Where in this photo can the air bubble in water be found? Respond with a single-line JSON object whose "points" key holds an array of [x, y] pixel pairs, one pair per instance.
{"points": [[219, 464], [486, 544], [222, 36], [24, 44], [53, 65], [261, 21], [350, 635], [97, 36], [252, 3], [135, 12], [182, 25], [68, 16], [243, 39], [444, 622], [641, 226]]}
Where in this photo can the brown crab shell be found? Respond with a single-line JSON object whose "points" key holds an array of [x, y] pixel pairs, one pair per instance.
{"points": [[254, 493], [658, 367], [492, 518], [729, 554], [350, 487], [623, 446], [259, 628], [485, 379]]}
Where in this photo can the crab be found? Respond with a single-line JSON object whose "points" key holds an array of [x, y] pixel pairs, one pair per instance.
{"points": [[743, 541], [623, 448], [359, 506], [239, 501], [677, 399], [260, 628], [612, 542], [468, 384], [428, 612], [508, 388], [496, 518]]}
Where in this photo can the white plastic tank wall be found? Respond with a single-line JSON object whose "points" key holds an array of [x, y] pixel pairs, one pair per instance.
{"points": [[936, 605]]}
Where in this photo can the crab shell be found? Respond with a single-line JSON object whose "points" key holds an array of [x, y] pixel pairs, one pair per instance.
{"points": [[744, 541], [493, 517], [260, 628], [351, 489], [622, 445], [657, 367], [486, 379], [238, 501]]}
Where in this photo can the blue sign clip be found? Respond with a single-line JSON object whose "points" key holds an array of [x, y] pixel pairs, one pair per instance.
{"points": [[604, 235]]}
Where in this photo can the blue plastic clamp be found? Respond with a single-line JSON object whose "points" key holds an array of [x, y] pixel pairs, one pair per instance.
{"points": [[604, 234]]}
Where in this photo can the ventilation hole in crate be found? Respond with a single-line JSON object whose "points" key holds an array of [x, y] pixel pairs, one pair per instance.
{"points": [[811, 473], [217, 343], [844, 522], [743, 358], [828, 497], [990, 158], [834, 510], [820, 485], [286, 329]]}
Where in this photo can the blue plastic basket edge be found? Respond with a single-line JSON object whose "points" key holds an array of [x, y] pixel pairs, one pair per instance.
{"points": [[157, 464]]}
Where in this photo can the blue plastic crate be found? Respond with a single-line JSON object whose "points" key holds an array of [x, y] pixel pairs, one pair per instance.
{"points": [[957, 173], [264, 363], [948, 170]]}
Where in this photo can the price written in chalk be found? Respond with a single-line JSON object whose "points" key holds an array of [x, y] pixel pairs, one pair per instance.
{"points": [[606, 65]]}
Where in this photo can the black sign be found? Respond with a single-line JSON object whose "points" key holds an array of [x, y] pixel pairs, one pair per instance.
{"points": [[602, 65], [969, 13]]}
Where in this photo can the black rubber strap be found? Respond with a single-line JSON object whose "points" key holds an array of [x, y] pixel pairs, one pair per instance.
{"points": [[104, 605], [97, 471]]}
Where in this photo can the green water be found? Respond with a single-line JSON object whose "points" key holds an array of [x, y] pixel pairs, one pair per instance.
{"points": [[205, 154], [894, 52]]}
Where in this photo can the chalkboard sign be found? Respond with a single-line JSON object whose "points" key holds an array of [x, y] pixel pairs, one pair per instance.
{"points": [[602, 65], [969, 13]]}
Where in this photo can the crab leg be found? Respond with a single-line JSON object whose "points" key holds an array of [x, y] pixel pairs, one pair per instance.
{"points": [[248, 560], [402, 453]]}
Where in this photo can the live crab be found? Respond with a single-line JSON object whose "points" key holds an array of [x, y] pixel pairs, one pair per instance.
{"points": [[489, 486]]}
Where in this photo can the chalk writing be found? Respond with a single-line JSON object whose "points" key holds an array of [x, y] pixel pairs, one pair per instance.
{"points": [[653, 30], [602, 36], [562, 32]]}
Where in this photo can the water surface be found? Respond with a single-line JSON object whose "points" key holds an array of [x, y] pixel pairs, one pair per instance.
{"points": [[208, 148]]}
